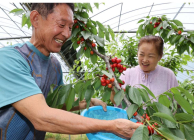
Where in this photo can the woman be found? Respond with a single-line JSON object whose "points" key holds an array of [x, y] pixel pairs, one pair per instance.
{"points": [[157, 78]]}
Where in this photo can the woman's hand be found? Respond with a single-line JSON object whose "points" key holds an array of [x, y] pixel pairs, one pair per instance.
{"points": [[93, 102]]}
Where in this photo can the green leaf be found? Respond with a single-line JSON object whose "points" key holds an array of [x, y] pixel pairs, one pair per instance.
{"points": [[183, 117], [141, 20], [97, 84], [144, 95], [164, 116], [177, 22], [165, 24], [148, 90], [150, 28], [24, 19], [164, 100], [178, 133], [181, 39], [170, 33], [99, 40], [70, 100], [135, 95], [175, 90], [75, 45], [78, 86], [86, 34], [140, 30], [189, 132], [111, 33], [97, 5], [141, 133], [93, 58], [84, 15], [100, 33], [107, 35], [28, 22], [95, 24], [64, 91], [106, 94], [106, 73], [101, 50], [166, 132], [187, 94], [100, 25], [89, 93], [192, 39], [163, 109], [131, 110], [119, 97], [89, 7], [75, 31], [169, 94], [87, 52], [17, 11], [93, 30], [80, 52], [183, 103]]}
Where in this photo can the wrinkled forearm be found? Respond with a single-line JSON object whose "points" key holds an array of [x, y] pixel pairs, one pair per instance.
{"points": [[70, 123]]}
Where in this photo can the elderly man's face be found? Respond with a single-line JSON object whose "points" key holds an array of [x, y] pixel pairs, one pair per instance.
{"points": [[55, 29]]}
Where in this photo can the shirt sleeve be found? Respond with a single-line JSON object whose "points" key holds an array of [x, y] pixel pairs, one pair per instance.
{"points": [[16, 82]]}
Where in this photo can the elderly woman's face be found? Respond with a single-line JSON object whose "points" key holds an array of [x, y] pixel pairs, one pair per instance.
{"points": [[148, 57]]}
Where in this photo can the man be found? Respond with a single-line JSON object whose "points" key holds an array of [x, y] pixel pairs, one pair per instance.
{"points": [[27, 71]]}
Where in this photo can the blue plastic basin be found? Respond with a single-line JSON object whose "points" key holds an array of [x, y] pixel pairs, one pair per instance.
{"points": [[112, 113]]}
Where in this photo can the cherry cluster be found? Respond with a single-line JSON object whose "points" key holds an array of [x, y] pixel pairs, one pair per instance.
{"points": [[107, 82], [115, 63], [150, 128], [81, 39]]}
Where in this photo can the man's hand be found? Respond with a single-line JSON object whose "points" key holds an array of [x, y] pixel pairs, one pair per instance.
{"points": [[93, 102], [124, 128]]}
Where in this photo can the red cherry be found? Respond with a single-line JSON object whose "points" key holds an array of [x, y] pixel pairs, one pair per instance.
{"points": [[105, 76], [103, 80], [106, 68], [124, 90], [155, 26], [135, 114], [107, 81], [103, 84], [179, 32], [85, 48], [113, 60], [120, 84], [118, 66], [115, 65], [150, 22], [109, 85], [77, 26], [123, 82], [112, 80], [78, 42], [150, 129], [124, 68], [111, 66], [75, 21], [113, 69], [121, 70], [91, 52], [118, 60], [82, 39], [93, 44], [161, 27]]}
